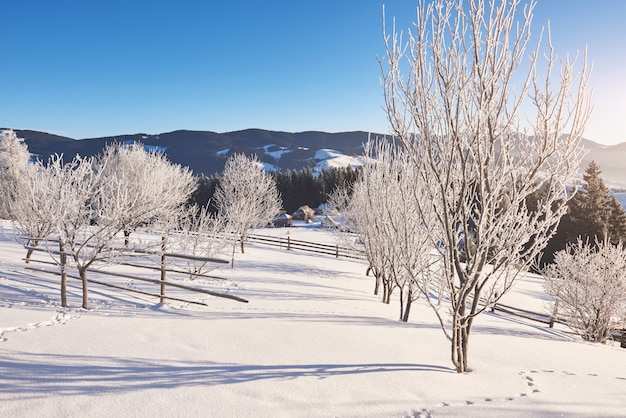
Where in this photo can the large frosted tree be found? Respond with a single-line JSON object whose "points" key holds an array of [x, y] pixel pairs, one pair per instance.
{"points": [[246, 196], [145, 187], [485, 130]]}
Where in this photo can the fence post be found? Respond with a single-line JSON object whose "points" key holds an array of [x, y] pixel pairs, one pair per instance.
{"points": [[336, 251], [288, 243], [163, 267]]}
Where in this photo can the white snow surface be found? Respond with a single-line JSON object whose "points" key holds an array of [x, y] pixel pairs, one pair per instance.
{"points": [[277, 154], [330, 158], [313, 341]]}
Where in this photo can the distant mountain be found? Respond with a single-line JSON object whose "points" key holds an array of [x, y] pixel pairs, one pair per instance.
{"points": [[612, 162], [206, 152]]}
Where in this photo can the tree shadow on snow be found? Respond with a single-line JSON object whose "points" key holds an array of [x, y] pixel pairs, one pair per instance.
{"points": [[29, 376]]}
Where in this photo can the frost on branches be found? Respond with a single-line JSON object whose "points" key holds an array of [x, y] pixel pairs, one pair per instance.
{"points": [[14, 157], [87, 202], [246, 196], [384, 210], [588, 284], [454, 96]]}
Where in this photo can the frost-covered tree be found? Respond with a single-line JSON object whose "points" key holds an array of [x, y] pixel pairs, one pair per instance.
{"points": [[246, 196], [14, 158], [456, 93], [200, 233], [74, 188], [24, 193], [30, 209], [87, 202], [589, 284], [384, 211], [140, 187]]}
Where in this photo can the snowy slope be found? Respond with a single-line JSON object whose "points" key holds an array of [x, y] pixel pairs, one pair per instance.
{"points": [[312, 341], [330, 158]]}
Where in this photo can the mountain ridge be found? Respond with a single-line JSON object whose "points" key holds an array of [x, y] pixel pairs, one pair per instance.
{"points": [[205, 152]]}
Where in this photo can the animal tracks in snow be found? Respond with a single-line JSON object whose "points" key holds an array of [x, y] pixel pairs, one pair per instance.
{"points": [[61, 317], [531, 386]]}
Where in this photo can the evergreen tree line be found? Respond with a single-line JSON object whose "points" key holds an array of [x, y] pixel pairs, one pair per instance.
{"points": [[296, 187]]}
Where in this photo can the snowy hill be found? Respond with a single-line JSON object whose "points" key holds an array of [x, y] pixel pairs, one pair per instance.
{"points": [[206, 152], [313, 341]]}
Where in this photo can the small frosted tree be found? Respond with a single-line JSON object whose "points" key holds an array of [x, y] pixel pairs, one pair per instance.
{"points": [[589, 284], [454, 97], [246, 196], [31, 207], [14, 158], [200, 233]]}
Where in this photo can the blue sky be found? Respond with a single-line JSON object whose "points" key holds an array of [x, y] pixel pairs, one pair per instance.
{"points": [[98, 68]]}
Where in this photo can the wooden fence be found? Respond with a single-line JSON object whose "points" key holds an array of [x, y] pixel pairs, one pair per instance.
{"points": [[550, 320], [280, 242], [290, 244], [132, 258]]}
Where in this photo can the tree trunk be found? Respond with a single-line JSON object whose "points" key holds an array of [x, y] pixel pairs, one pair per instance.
{"points": [[241, 245], [29, 252], [386, 291], [407, 308], [63, 267], [83, 277], [376, 276], [460, 342]]}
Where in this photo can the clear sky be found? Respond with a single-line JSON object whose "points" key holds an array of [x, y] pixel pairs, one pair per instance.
{"points": [[83, 68]]}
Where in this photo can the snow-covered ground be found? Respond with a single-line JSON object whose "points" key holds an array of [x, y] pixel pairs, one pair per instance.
{"points": [[312, 341]]}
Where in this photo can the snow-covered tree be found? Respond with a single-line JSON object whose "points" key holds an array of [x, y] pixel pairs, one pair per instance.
{"points": [[14, 158], [200, 233], [30, 209], [74, 188], [140, 187], [87, 202], [455, 94], [246, 196], [589, 284], [384, 211]]}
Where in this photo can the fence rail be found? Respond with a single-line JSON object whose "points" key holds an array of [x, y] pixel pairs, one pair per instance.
{"points": [[162, 268], [550, 320], [307, 246]]}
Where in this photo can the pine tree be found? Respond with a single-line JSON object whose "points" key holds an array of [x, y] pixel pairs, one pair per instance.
{"points": [[593, 214]]}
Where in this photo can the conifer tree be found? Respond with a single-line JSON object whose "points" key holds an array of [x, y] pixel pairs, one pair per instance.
{"points": [[593, 214]]}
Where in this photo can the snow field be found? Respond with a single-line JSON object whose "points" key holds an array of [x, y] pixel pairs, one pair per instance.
{"points": [[312, 341]]}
